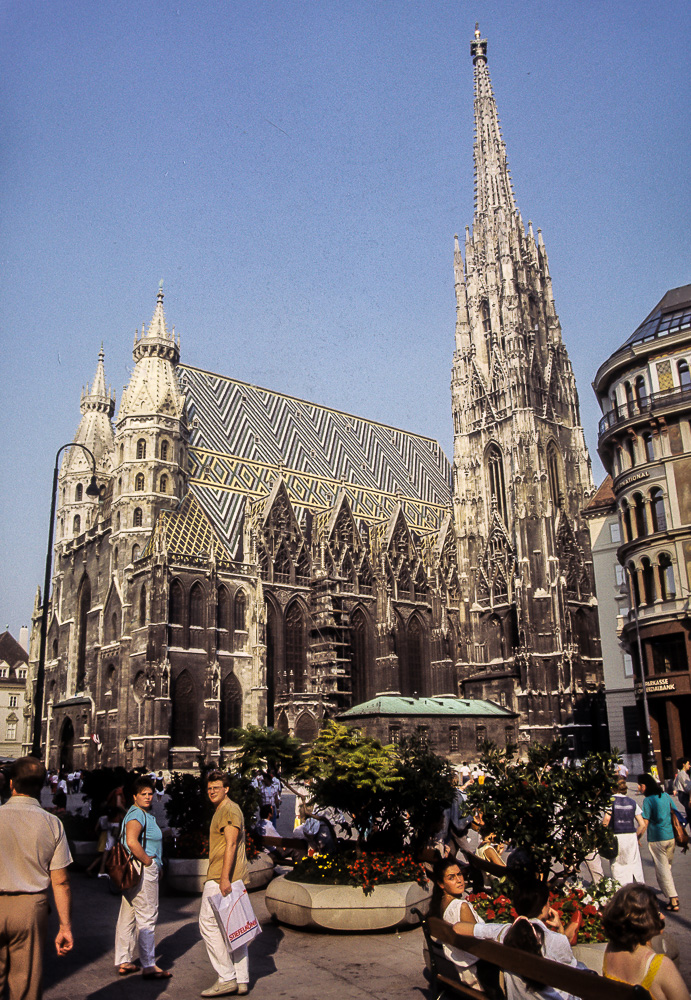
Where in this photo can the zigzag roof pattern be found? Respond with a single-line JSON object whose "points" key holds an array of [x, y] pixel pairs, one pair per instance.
{"points": [[185, 532], [243, 436]]}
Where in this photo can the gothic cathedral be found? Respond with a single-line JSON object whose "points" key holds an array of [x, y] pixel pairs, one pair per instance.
{"points": [[255, 558]]}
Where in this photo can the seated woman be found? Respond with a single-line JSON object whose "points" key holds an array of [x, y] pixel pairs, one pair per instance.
{"points": [[631, 919], [529, 936], [489, 849], [448, 903]]}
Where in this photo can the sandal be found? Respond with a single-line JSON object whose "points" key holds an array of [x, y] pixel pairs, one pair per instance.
{"points": [[126, 968], [157, 974], [672, 907]]}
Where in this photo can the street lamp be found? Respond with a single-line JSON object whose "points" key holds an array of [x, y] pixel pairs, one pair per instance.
{"points": [[91, 491], [649, 751]]}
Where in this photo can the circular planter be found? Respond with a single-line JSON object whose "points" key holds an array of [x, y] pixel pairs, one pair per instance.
{"points": [[591, 955], [345, 908], [187, 875]]}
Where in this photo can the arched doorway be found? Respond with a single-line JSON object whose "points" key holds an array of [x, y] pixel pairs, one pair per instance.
{"points": [[66, 748]]}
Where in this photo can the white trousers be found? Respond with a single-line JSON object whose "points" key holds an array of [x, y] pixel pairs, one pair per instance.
{"points": [[627, 867], [227, 966], [137, 921], [662, 853]]}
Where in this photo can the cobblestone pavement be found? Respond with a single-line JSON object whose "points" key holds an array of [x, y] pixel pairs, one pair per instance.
{"points": [[285, 964]]}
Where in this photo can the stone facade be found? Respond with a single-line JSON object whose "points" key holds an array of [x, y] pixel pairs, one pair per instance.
{"points": [[644, 391], [258, 558], [14, 723]]}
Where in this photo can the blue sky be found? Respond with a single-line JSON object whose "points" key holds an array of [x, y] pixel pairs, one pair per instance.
{"points": [[295, 172]]}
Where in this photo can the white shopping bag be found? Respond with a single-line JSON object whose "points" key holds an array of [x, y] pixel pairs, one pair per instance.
{"points": [[235, 916]]}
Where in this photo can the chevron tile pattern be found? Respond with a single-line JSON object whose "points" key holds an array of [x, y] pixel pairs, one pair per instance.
{"points": [[243, 436]]}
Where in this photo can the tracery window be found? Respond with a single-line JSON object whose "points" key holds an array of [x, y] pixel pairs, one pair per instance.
{"points": [[295, 646], [282, 566], [141, 448], [497, 490], [553, 470], [231, 707], [415, 656], [184, 721], [240, 610], [358, 657], [197, 606], [176, 603]]}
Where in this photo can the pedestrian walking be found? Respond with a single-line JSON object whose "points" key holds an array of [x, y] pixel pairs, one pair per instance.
{"points": [[657, 823], [33, 856], [682, 786], [136, 926], [227, 864], [626, 819]]}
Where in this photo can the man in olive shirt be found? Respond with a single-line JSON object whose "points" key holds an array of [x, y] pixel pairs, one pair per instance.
{"points": [[227, 864], [33, 856]]}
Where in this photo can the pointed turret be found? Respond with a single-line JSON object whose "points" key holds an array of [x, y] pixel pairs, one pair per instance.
{"points": [[492, 177]]}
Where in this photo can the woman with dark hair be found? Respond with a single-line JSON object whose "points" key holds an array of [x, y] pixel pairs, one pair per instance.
{"points": [[448, 903], [631, 919], [136, 924], [528, 936], [657, 822]]}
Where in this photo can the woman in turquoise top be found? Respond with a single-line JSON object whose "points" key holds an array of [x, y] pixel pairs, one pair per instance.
{"points": [[136, 925], [657, 822]]}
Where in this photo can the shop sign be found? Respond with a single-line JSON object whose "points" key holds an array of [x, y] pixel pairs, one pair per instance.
{"points": [[661, 684]]}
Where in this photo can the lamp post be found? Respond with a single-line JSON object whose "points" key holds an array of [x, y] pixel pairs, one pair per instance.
{"points": [[648, 751], [91, 491]]}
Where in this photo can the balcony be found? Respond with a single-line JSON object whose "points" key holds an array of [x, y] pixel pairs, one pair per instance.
{"points": [[654, 403]]}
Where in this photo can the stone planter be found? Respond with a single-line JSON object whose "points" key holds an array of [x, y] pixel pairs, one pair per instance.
{"points": [[186, 875], [591, 955], [344, 907]]}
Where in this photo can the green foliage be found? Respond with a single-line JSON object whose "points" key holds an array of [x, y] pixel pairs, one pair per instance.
{"points": [[97, 785], [188, 807], [553, 813], [351, 772], [267, 748]]}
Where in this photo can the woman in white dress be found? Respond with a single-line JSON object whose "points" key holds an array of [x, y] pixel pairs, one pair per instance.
{"points": [[448, 903]]}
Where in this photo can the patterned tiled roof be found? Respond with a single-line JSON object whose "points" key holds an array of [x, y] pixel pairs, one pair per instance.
{"points": [[186, 532], [244, 436]]}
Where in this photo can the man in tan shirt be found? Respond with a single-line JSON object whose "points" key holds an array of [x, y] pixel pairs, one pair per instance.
{"points": [[227, 864], [33, 856]]}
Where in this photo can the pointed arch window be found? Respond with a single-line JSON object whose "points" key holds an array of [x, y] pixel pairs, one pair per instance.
{"points": [[163, 484], [295, 646], [282, 566], [554, 474], [77, 524], [176, 603], [141, 448], [139, 482], [684, 375], [657, 509], [231, 707], [358, 657], [135, 553], [113, 627], [142, 605], [485, 318], [184, 721], [137, 517], [303, 572], [222, 609], [404, 584], [83, 608], [347, 573], [365, 579], [78, 493], [495, 473], [165, 447], [197, 606], [240, 611], [270, 663], [415, 656]]}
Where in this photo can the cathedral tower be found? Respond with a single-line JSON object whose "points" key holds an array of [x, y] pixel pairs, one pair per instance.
{"points": [[521, 470]]}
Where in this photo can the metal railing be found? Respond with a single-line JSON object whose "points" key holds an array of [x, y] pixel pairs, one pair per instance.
{"points": [[620, 413]]}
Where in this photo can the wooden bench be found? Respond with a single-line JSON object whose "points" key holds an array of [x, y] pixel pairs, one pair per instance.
{"points": [[587, 985]]}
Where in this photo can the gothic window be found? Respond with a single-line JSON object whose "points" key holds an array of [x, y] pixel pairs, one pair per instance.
{"points": [[270, 663], [176, 603], [358, 657], [485, 317], [639, 513], [283, 725], [111, 682], [141, 448], [135, 553], [303, 570], [648, 447], [282, 566], [78, 493], [415, 656], [136, 518], [641, 392], [263, 564], [684, 376], [500, 592], [495, 639], [657, 509], [77, 524], [240, 611], [668, 589], [139, 482], [116, 557], [295, 646], [197, 606], [222, 609], [184, 721], [648, 584], [142, 605], [421, 585], [164, 484], [231, 707], [365, 578], [306, 727], [83, 607], [497, 490], [164, 451], [348, 573], [404, 583], [553, 469]]}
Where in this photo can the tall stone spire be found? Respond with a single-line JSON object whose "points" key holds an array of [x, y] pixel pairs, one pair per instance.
{"points": [[493, 188]]}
